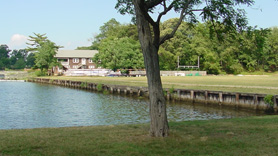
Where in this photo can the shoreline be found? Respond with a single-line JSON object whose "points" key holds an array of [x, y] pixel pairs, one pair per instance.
{"points": [[251, 101]]}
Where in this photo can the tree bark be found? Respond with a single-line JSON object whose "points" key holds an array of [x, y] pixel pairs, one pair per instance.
{"points": [[159, 124]]}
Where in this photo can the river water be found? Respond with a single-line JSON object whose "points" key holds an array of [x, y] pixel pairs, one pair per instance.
{"points": [[30, 105]]}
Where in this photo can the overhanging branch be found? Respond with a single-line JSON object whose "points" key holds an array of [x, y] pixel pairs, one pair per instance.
{"points": [[170, 35], [166, 9], [182, 15], [153, 3]]}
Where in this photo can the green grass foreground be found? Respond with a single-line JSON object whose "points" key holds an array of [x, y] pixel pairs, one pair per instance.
{"points": [[253, 136], [262, 84]]}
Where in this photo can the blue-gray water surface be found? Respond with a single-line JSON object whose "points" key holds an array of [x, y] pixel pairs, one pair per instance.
{"points": [[31, 105]]}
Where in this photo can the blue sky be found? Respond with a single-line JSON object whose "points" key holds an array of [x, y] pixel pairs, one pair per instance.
{"points": [[71, 23]]}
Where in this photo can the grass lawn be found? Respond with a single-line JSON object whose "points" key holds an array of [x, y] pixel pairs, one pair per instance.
{"points": [[253, 136], [263, 84]]}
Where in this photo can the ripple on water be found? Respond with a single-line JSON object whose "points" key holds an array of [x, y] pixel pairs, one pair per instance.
{"points": [[30, 105]]}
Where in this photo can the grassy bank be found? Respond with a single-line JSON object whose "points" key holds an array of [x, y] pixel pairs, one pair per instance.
{"points": [[264, 84], [249, 136]]}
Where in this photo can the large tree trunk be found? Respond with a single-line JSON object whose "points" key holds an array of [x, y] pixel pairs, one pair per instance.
{"points": [[159, 124]]}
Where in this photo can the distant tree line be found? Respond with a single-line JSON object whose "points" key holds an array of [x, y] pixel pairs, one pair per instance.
{"points": [[15, 59], [39, 55], [249, 50]]}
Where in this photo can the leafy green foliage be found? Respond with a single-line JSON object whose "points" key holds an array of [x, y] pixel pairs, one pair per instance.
{"points": [[120, 53], [45, 55], [99, 87], [30, 60], [15, 59], [40, 73], [4, 57], [171, 90], [36, 41], [106, 92], [236, 53], [45, 51], [83, 84], [19, 64], [269, 100], [18, 59], [271, 50]]}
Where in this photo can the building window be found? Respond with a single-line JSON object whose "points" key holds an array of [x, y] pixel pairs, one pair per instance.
{"points": [[75, 67], [75, 60], [91, 61], [92, 67], [63, 60]]}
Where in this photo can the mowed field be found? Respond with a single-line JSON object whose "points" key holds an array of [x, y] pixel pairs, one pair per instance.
{"points": [[252, 136], [261, 84]]}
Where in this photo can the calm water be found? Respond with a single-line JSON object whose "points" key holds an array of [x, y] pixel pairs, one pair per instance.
{"points": [[31, 105]]}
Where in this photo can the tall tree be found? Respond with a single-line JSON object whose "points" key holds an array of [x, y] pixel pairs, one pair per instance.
{"points": [[113, 28], [119, 53], [4, 57], [30, 60], [36, 41], [176, 46], [44, 51], [272, 50], [44, 58], [108, 29], [150, 39], [17, 59]]}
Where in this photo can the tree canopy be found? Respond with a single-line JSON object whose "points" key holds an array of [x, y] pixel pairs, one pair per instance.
{"points": [[221, 12], [118, 47], [4, 56], [247, 50], [15, 59], [119, 53], [44, 51]]}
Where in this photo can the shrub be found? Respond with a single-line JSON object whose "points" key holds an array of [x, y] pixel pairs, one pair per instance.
{"points": [[164, 92], [40, 73], [171, 90], [236, 68], [83, 84], [105, 92], [99, 87], [269, 100]]}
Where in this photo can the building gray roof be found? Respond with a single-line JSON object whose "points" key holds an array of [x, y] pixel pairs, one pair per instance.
{"points": [[76, 53]]}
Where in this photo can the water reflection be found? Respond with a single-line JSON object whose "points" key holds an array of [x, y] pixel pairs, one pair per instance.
{"points": [[30, 105]]}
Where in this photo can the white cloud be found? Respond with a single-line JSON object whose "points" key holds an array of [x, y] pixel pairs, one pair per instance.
{"points": [[18, 41]]}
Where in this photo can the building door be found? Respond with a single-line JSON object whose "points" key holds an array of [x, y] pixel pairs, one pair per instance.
{"points": [[84, 61]]}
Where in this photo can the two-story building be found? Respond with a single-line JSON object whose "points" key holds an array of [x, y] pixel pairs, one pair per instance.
{"points": [[76, 59], [79, 63]]}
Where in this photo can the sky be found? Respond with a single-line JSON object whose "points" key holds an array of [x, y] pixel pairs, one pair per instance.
{"points": [[73, 23]]}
